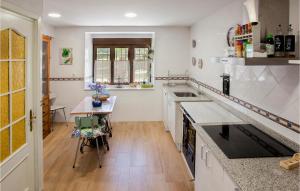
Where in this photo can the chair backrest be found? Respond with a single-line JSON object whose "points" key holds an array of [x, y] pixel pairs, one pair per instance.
{"points": [[86, 122]]}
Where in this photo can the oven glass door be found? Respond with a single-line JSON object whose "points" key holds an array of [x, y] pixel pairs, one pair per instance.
{"points": [[189, 143]]}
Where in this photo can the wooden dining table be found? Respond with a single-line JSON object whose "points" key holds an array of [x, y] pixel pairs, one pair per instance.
{"points": [[85, 107]]}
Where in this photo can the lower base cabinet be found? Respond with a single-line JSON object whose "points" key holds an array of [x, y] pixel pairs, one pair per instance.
{"points": [[209, 173]]}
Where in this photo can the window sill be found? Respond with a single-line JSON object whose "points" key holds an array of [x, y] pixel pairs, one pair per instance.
{"points": [[124, 88]]}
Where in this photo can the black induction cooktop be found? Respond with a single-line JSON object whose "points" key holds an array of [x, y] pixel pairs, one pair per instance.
{"points": [[246, 141]]}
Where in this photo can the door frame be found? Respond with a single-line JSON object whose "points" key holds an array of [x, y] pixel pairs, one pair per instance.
{"points": [[46, 38], [36, 90]]}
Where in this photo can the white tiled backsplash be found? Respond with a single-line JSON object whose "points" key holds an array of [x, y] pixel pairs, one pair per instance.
{"points": [[274, 88]]}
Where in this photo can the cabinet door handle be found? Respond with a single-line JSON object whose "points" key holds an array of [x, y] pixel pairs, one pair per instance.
{"points": [[236, 189], [202, 146], [206, 161]]}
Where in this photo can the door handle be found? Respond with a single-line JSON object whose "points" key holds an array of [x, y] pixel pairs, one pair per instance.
{"points": [[32, 117]]}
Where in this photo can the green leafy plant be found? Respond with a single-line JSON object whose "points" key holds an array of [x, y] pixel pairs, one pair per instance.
{"points": [[65, 52]]}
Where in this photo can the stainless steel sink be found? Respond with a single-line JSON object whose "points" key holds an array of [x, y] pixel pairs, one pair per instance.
{"points": [[185, 94]]}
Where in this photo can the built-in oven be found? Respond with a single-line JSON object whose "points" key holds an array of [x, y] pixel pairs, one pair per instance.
{"points": [[189, 141]]}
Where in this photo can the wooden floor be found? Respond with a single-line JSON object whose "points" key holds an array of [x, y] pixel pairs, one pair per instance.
{"points": [[142, 157]]}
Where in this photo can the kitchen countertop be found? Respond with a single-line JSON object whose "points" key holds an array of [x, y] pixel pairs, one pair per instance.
{"points": [[250, 174], [185, 88], [210, 113], [254, 174]]}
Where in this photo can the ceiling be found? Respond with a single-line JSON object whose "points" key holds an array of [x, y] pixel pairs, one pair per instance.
{"points": [[111, 12]]}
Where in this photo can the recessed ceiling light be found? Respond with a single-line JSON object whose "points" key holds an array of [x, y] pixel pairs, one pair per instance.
{"points": [[130, 15], [54, 15]]}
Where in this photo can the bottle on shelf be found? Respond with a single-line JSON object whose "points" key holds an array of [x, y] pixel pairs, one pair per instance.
{"points": [[279, 42], [290, 43], [270, 48], [249, 28], [239, 49]]}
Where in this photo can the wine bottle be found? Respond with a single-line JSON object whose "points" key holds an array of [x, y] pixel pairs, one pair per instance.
{"points": [[290, 43], [279, 42], [270, 45]]}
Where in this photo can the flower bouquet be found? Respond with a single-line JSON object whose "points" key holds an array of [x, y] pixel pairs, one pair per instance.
{"points": [[100, 95]]}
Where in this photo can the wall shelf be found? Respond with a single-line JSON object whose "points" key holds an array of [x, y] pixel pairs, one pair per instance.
{"points": [[243, 37], [257, 61], [268, 61]]}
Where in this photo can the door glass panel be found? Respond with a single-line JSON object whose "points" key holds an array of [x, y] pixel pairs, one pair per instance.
{"points": [[18, 105], [45, 68], [4, 144], [4, 103], [18, 75], [18, 46], [12, 99], [4, 77], [18, 135], [4, 45]]}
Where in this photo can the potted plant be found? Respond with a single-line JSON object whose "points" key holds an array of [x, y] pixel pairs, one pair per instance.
{"points": [[100, 95]]}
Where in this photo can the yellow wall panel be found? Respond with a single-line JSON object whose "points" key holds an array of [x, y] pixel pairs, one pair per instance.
{"points": [[18, 135], [18, 46], [18, 75], [4, 117], [4, 77], [4, 44], [4, 144], [18, 105]]}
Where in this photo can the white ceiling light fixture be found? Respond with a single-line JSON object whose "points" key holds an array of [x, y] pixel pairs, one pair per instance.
{"points": [[54, 15], [130, 15]]}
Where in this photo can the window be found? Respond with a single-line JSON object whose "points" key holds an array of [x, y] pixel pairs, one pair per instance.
{"points": [[102, 65], [121, 60], [121, 66], [141, 65]]}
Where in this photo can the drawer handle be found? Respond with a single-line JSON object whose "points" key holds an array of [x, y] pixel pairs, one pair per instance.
{"points": [[202, 146], [206, 161]]}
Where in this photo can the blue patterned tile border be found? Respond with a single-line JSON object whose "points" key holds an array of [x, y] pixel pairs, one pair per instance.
{"points": [[172, 78], [67, 79]]}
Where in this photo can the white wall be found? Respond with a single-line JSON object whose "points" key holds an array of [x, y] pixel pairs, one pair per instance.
{"points": [[171, 52], [48, 30], [274, 88], [31, 6]]}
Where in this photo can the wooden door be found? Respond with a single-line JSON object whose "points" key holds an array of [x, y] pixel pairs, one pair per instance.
{"points": [[17, 127], [46, 95]]}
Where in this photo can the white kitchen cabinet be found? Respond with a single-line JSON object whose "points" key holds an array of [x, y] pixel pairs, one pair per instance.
{"points": [[179, 127], [171, 117], [165, 109], [210, 175], [201, 172]]}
